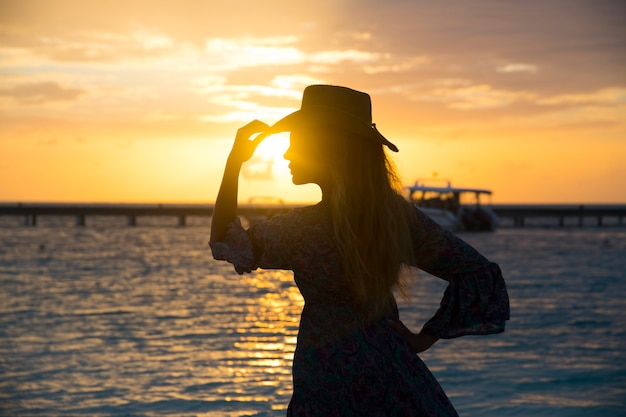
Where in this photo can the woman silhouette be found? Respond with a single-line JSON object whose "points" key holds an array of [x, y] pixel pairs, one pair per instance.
{"points": [[354, 357]]}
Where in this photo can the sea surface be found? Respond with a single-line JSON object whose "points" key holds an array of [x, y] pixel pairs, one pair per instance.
{"points": [[110, 320]]}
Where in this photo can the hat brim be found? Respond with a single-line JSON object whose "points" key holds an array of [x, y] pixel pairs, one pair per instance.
{"points": [[315, 116]]}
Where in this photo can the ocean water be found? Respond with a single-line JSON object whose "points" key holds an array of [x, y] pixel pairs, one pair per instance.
{"points": [[141, 321]]}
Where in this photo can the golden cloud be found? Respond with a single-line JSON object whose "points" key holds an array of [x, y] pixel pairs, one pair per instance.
{"points": [[509, 68], [42, 92], [462, 95], [606, 96]]}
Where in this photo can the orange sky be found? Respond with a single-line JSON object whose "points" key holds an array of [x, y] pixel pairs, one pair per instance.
{"points": [[138, 101]]}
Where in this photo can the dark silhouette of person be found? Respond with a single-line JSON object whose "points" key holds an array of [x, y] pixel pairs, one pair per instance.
{"points": [[354, 357]]}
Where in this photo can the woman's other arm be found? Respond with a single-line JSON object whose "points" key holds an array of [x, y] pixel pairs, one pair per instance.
{"points": [[419, 342]]}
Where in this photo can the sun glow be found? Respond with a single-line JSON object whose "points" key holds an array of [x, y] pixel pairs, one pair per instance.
{"points": [[274, 146], [270, 154]]}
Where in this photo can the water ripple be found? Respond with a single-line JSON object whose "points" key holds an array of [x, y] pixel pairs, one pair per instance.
{"points": [[111, 320]]}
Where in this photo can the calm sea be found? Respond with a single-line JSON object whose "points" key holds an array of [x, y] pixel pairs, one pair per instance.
{"points": [[141, 321]]}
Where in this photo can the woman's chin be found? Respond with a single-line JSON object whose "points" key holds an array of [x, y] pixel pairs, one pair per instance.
{"points": [[298, 181]]}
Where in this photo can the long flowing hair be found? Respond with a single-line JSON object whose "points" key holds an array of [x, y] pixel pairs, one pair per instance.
{"points": [[371, 221]]}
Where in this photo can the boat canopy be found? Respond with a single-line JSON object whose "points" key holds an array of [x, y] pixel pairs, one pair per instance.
{"points": [[448, 189]]}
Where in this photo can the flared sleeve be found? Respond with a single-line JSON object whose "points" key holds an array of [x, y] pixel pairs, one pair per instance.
{"points": [[476, 301], [236, 248], [272, 244]]}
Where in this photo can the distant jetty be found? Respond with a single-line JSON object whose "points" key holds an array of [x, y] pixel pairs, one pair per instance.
{"points": [[510, 215], [32, 211], [561, 215]]}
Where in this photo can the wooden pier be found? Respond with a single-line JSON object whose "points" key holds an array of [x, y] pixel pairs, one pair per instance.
{"points": [[562, 215], [31, 212], [514, 215]]}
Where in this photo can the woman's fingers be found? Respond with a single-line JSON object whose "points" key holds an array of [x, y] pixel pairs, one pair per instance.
{"points": [[244, 147], [255, 126]]}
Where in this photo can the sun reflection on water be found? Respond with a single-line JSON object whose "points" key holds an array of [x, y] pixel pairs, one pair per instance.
{"points": [[260, 358]]}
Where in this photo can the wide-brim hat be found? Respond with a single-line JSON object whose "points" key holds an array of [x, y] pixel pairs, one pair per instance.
{"points": [[336, 106]]}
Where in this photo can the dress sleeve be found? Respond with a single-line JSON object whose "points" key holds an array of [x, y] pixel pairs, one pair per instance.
{"points": [[476, 300], [236, 248], [268, 245]]}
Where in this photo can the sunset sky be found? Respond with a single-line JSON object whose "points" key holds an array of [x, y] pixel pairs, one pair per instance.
{"points": [[139, 101]]}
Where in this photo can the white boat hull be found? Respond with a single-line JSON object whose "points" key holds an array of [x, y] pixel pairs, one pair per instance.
{"points": [[444, 218]]}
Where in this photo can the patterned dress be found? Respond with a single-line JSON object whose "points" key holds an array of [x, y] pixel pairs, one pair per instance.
{"points": [[341, 367]]}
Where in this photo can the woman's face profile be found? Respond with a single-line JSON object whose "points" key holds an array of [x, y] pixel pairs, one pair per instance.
{"points": [[308, 158]]}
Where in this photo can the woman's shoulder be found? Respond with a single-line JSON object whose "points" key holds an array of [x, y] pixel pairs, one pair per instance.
{"points": [[307, 217], [300, 216], [302, 226], [312, 210]]}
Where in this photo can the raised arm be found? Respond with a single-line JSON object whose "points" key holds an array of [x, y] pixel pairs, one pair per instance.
{"points": [[225, 209]]}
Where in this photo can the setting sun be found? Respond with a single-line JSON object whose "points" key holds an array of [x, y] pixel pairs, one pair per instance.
{"points": [[267, 165], [274, 147]]}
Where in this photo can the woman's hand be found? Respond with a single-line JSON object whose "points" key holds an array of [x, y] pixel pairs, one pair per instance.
{"points": [[419, 342], [244, 148]]}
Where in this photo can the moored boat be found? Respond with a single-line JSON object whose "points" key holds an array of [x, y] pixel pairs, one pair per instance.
{"points": [[454, 208]]}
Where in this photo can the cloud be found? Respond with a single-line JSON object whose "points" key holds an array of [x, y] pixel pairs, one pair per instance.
{"points": [[462, 95], [80, 47], [218, 91], [39, 93], [237, 53], [84, 46], [509, 68], [258, 169], [395, 65], [244, 103], [568, 117], [152, 41], [605, 96], [230, 54], [340, 56], [293, 82]]}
